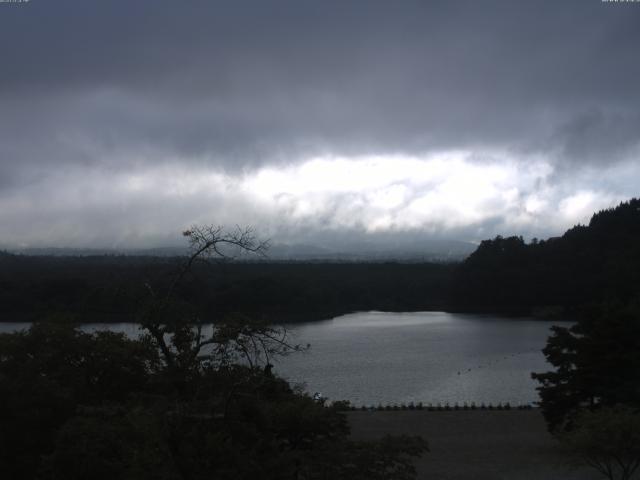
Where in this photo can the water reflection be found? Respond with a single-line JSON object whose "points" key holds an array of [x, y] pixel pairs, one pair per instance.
{"points": [[376, 357]]}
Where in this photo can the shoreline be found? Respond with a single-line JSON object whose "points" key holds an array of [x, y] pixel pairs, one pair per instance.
{"points": [[285, 318]]}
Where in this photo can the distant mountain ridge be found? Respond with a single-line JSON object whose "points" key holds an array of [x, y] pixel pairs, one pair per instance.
{"points": [[89, 252], [448, 251]]}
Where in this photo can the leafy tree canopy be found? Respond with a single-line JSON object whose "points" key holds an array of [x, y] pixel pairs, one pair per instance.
{"points": [[608, 440], [597, 364]]}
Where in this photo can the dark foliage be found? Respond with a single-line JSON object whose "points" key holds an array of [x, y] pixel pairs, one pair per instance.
{"points": [[587, 265], [608, 440], [110, 288], [75, 405], [597, 365], [47, 372]]}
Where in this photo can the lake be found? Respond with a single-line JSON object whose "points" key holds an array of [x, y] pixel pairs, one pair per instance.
{"points": [[372, 358], [376, 357]]}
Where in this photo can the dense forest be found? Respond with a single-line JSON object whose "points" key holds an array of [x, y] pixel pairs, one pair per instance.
{"points": [[112, 288], [587, 265], [599, 262]]}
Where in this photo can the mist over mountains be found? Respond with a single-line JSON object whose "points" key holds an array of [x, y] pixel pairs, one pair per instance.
{"points": [[408, 251]]}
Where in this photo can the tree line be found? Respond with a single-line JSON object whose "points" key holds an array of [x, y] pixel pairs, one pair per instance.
{"points": [[559, 276], [587, 265], [111, 288]]}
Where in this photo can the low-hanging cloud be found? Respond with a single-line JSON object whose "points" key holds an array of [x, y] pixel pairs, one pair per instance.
{"points": [[442, 196]]}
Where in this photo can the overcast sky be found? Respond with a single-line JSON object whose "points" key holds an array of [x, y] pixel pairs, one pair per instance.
{"points": [[124, 121]]}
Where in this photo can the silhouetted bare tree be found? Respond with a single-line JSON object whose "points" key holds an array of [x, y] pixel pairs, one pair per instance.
{"points": [[178, 331]]}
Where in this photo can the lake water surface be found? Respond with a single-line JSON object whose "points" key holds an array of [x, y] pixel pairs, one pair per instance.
{"points": [[377, 357]]}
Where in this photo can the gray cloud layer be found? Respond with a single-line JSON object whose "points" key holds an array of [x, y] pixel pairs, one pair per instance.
{"points": [[93, 87]]}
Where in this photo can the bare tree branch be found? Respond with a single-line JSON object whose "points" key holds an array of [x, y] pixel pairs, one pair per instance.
{"points": [[181, 340]]}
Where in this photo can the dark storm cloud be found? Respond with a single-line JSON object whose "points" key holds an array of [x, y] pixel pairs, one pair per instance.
{"points": [[595, 136], [241, 83]]}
